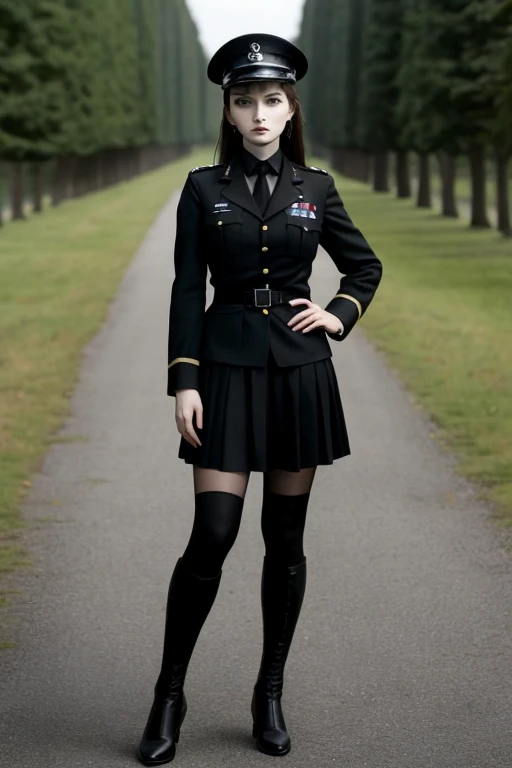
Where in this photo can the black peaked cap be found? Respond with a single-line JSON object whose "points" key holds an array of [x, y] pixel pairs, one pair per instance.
{"points": [[255, 57]]}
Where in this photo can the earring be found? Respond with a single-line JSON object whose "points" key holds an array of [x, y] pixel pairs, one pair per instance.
{"points": [[234, 129], [289, 131]]}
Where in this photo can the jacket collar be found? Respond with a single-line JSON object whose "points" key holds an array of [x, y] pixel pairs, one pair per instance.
{"points": [[250, 162], [285, 193]]}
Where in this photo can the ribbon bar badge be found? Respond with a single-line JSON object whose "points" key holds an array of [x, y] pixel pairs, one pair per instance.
{"points": [[304, 210]]}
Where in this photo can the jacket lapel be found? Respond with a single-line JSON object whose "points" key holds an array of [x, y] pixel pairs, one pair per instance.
{"points": [[236, 189], [285, 193]]}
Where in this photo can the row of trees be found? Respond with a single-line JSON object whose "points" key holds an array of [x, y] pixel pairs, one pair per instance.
{"points": [[104, 89], [432, 77]]}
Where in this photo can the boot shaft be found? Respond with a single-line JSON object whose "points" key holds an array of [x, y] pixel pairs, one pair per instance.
{"points": [[189, 601], [282, 595]]}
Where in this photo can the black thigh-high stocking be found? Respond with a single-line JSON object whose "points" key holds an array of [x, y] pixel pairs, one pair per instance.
{"points": [[219, 501], [283, 514]]}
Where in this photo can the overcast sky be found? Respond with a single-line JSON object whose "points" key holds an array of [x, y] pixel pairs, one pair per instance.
{"points": [[220, 20]]}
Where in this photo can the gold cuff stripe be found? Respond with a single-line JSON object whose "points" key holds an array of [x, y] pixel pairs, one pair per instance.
{"points": [[351, 298], [183, 360]]}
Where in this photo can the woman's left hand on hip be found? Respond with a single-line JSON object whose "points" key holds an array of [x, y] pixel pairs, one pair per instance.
{"points": [[313, 317]]}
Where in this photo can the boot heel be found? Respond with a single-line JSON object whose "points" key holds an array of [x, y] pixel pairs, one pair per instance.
{"points": [[183, 713], [253, 730]]}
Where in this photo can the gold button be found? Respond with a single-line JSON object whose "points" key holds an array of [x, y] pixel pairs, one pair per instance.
{"points": [[219, 223], [264, 249], [264, 227], [265, 271], [265, 311]]}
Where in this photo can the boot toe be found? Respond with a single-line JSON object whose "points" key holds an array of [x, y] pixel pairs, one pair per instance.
{"points": [[156, 751], [273, 743]]}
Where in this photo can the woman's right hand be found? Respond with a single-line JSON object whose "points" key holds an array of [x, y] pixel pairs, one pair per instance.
{"points": [[188, 404]]}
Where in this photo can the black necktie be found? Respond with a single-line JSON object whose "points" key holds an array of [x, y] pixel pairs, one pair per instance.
{"points": [[261, 191]]}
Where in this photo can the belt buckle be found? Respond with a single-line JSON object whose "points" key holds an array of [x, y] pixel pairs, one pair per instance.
{"points": [[269, 297]]}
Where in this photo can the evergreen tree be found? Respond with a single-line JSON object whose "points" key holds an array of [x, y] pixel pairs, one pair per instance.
{"points": [[336, 67], [98, 86], [451, 56], [377, 125]]}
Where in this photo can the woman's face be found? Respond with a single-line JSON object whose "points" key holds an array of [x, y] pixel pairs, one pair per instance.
{"points": [[259, 105]]}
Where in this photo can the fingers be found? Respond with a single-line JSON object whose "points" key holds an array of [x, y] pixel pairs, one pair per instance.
{"points": [[184, 421], [301, 316], [304, 319], [297, 302], [316, 324]]}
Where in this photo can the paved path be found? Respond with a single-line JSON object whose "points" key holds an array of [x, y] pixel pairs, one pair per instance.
{"points": [[402, 656]]}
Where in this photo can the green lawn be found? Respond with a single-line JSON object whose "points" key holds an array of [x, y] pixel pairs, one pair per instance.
{"points": [[443, 318], [58, 273]]}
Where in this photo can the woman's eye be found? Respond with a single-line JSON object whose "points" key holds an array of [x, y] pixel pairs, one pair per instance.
{"points": [[241, 102]]}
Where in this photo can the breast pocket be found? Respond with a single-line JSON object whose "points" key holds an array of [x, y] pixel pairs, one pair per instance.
{"points": [[223, 233], [303, 236]]}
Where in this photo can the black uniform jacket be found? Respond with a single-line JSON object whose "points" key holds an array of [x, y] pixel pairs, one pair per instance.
{"points": [[220, 226]]}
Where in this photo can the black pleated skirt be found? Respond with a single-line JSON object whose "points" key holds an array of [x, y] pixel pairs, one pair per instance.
{"points": [[263, 418]]}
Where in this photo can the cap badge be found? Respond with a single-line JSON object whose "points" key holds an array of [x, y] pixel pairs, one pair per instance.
{"points": [[255, 54]]}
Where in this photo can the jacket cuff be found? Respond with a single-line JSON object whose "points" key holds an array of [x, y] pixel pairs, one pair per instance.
{"points": [[348, 310], [183, 373]]}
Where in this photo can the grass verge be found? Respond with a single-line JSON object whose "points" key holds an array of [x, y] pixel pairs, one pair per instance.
{"points": [[443, 318], [58, 273]]}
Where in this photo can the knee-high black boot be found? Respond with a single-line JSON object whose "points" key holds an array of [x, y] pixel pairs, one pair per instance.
{"points": [[189, 601], [282, 593]]}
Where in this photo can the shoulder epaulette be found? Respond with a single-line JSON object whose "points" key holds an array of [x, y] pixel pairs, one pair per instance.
{"points": [[318, 170], [204, 167]]}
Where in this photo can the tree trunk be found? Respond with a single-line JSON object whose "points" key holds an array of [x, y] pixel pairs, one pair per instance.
{"points": [[58, 182], [381, 172], [349, 163], [502, 196], [367, 168], [403, 181], [361, 165], [17, 191], [335, 159], [81, 176], [478, 188], [100, 171], [345, 161], [447, 173], [353, 163], [109, 168], [63, 181], [37, 182], [72, 176], [424, 199], [356, 164]]}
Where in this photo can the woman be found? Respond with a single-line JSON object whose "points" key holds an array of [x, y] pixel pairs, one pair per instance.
{"points": [[253, 378]]}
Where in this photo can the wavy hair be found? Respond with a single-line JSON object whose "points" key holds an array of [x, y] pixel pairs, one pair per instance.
{"points": [[230, 141]]}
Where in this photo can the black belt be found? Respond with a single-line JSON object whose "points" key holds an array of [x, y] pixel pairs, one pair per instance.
{"points": [[255, 297]]}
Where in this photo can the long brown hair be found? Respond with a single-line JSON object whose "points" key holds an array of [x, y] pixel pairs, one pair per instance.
{"points": [[231, 141]]}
